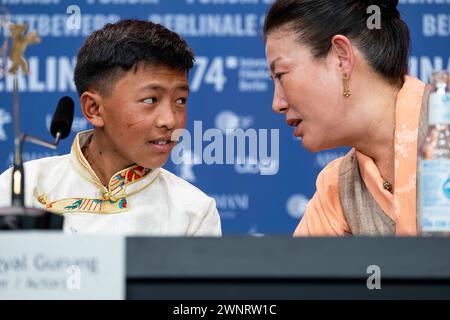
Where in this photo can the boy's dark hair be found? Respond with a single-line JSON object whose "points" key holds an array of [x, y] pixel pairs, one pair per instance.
{"points": [[315, 22], [111, 51]]}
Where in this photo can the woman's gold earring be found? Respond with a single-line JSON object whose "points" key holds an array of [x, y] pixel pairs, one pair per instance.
{"points": [[346, 86]]}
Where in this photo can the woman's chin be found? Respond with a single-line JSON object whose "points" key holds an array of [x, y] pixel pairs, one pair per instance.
{"points": [[311, 146]]}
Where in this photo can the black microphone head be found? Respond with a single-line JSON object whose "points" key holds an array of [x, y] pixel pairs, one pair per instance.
{"points": [[63, 117]]}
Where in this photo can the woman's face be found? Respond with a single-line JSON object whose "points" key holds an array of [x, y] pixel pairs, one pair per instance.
{"points": [[308, 91]]}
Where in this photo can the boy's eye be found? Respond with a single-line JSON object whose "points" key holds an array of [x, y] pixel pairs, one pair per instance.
{"points": [[149, 100], [181, 101]]}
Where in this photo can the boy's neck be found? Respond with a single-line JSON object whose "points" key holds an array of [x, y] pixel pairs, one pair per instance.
{"points": [[104, 163]]}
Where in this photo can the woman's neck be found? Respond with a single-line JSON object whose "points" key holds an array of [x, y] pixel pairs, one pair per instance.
{"points": [[377, 138]]}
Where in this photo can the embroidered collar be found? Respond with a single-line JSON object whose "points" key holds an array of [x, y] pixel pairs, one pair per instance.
{"points": [[114, 197], [118, 181], [409, 102]]}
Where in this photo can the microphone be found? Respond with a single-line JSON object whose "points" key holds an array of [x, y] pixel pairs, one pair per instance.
{"points": [[62, 118], [18, 216], [60, 128], [61, 124]]}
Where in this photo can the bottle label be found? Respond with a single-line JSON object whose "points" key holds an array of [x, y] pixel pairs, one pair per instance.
{"points": [[439, 108], [434, 195]]}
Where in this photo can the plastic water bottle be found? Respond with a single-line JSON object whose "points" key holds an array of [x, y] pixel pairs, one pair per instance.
{"points": [[434, 162]]}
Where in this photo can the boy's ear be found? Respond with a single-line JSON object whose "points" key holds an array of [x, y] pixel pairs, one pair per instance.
{"points": [[90, 107]]}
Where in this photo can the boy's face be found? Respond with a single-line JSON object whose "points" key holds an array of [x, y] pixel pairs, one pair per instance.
{"points": [[141, 113]]}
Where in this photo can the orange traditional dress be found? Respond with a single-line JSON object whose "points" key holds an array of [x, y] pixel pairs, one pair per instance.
{"points": [[324, 215]]}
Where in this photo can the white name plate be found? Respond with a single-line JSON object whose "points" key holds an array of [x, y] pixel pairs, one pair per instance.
{"points": [[51, 265]]}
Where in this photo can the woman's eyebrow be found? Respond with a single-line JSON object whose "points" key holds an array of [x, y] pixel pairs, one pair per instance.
{"points": [[273, 64]]}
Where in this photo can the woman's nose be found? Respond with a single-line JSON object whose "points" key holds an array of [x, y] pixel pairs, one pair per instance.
{"points": [[279, 103]]}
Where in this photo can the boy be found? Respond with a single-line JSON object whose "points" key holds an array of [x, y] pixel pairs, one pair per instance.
{"points": [[132, 79]]}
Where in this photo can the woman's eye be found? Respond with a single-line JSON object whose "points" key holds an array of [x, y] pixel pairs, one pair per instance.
{"points": [[149, 100], [279, 76]]}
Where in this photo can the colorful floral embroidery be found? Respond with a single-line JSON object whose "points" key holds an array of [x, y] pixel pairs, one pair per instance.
{"points": [[87, 205], [74, 205], [113, 201], [123, 203]]}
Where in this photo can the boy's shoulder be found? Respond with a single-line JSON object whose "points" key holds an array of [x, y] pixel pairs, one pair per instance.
{"points": [[51, 165], [53, 160], [46, 163], [183, 188]]}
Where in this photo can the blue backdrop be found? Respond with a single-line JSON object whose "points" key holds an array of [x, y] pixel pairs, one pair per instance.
{"points": [[231, 88]]}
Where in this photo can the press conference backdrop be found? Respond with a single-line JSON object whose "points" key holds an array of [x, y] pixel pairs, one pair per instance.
{"points": [[230, 86]]}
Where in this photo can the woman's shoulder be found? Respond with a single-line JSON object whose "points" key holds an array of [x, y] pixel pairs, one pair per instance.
{"points": [[329, 176], [324, 215]]}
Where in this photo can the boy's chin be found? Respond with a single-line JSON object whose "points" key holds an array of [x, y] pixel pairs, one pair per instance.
{"points": [[153, 164]]}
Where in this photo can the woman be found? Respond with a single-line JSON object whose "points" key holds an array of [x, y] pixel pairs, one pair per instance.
{"points": [[342, 82]]}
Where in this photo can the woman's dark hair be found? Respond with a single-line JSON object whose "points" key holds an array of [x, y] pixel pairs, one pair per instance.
{"points": [[315, 22], [111, 51]]}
